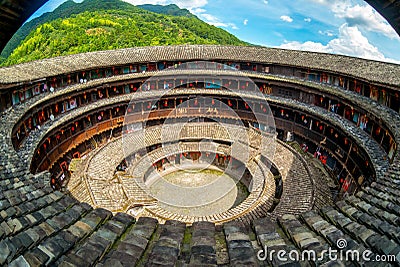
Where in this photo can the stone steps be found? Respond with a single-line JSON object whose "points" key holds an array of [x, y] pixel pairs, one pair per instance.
{"points": [[81, 192]]}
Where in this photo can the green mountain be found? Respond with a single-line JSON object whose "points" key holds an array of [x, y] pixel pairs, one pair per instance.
{"points": [[171, 9], [65, 10], [95, 25], [70, 8]]}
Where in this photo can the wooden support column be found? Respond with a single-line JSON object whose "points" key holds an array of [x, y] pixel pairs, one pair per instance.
{"points": [[175, 111], [348, 153]]}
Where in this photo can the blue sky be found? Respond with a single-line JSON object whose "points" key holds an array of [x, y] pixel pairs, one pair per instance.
{"points": [[349, 27]]}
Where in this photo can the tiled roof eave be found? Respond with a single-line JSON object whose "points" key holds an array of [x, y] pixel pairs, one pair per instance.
{"points": [[372, 71]]}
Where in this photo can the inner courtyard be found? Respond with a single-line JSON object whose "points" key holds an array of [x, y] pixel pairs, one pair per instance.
{"points": [[197, 154]]}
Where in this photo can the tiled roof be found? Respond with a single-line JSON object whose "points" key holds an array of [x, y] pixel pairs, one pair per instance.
{"points": [[373, 71]]}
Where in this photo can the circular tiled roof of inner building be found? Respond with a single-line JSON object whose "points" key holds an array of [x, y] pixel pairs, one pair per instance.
{"points": [[41, 227], [368, 70]]}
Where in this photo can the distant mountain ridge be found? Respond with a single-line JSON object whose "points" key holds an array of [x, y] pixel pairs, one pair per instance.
{"points": [[172, 10], [70, 8]]}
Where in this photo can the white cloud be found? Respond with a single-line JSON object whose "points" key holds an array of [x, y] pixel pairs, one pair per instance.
{"points": [[196, 7], [193, 4], [265, 2], [286, 18], [198, 10], [245, 21], [213, 20], [233, 26], [307, 19], [367, 18], [190, 4], [142, 2], [363, 16], [349, 42], [327, 33], [306, 46]]}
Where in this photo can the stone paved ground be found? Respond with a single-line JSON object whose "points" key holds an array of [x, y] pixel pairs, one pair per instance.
{"points": [[122, 193], [195, 193]]}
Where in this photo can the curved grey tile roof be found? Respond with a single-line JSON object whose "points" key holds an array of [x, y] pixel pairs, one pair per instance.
{"points": [[369, 70]]}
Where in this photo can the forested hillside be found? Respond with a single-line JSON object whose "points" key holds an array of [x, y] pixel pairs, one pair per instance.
{"points": [[102, 25]]}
